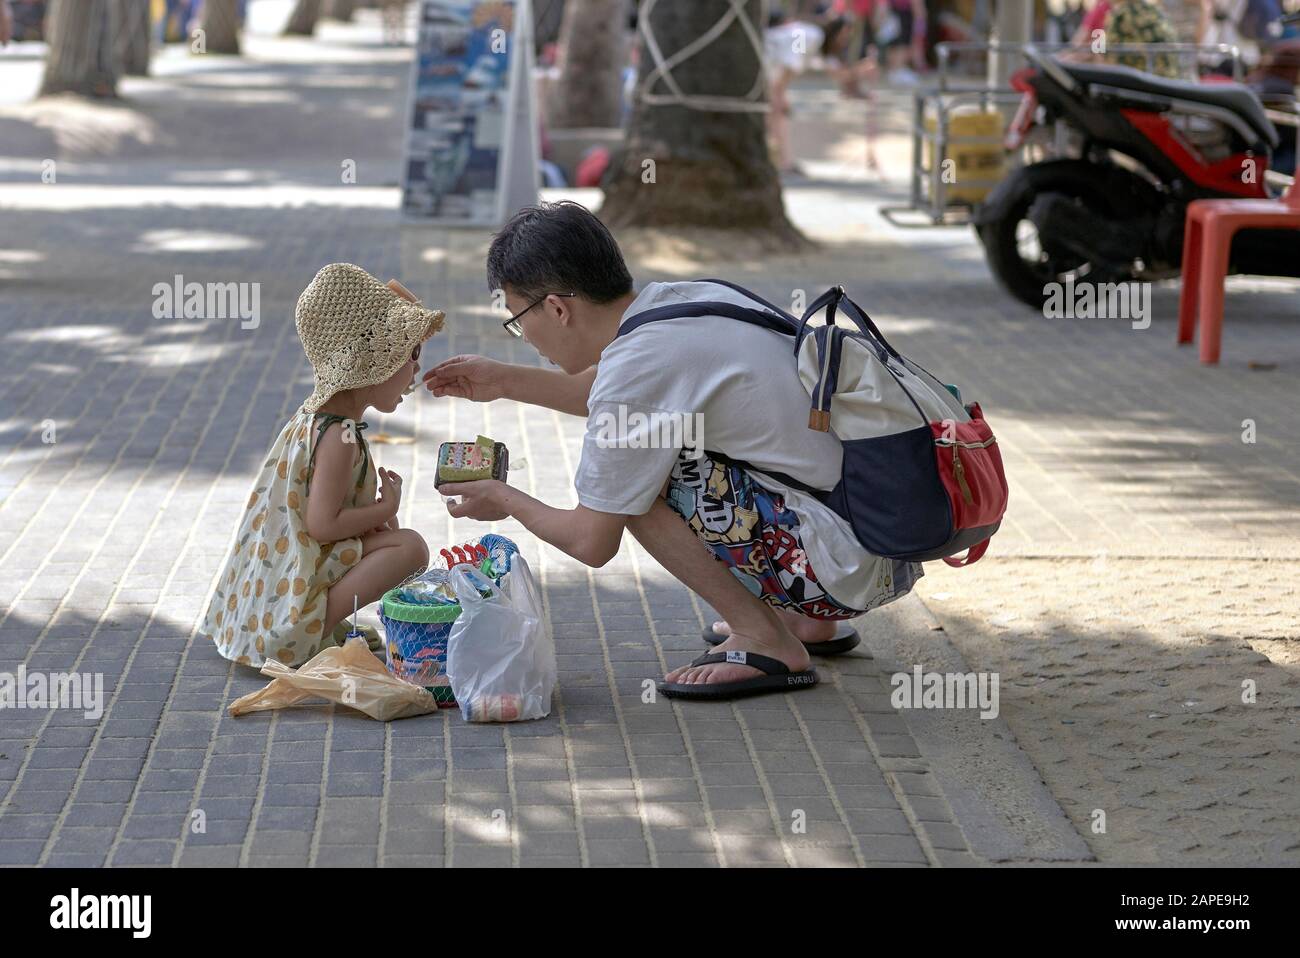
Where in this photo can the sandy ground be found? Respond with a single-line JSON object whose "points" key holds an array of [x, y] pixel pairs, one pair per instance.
{"points": [[1129, 681]]}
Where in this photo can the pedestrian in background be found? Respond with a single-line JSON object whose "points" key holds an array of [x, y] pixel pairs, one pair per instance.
{"points": [[789, 45]]}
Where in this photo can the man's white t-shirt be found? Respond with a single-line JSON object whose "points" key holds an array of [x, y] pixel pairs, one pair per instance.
{"points": [[731, 388]]}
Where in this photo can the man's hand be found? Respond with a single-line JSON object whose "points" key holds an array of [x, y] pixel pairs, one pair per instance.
{"points": [[480, 379], [475, 378], [590, 537], [483, 499]]}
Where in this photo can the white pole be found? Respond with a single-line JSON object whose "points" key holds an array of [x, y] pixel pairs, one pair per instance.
{"points": [[1013, 22]]}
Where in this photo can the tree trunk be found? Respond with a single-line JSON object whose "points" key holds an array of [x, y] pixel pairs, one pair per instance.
{"points": [[593, 54], [220, 26], [339, 10], [682, 166], [302, 22], [81, 57], [133, 37]]}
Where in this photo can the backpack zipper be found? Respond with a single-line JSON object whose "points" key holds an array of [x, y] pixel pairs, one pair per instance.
{"points": [[959, 470], [966, 445]]}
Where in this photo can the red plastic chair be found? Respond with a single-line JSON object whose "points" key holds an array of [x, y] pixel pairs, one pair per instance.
{"points": [[1207, 240]]}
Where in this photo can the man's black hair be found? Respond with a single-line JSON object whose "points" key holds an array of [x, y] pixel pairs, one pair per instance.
{"points": [[558, 248]]}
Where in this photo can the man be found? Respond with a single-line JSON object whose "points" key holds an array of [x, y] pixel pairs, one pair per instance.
{"points": [[778, 564]]}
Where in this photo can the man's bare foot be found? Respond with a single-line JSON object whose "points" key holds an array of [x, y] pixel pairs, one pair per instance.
{"points": [[779, 644], [803, 628]]}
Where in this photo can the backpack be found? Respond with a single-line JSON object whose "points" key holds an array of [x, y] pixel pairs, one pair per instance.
{"points": [[922, 477]]}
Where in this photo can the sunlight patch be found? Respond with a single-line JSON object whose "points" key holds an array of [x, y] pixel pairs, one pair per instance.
{"points": [[191, 241], [65, 334]]}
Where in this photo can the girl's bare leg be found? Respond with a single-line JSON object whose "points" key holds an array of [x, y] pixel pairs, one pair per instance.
{"points": [[387, 559]]}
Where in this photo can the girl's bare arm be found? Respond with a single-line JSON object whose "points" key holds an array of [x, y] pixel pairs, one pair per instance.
{"points": [[327, 519]]}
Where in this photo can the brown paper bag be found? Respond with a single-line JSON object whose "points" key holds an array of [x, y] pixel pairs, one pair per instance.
{"points": [[348, 674]]}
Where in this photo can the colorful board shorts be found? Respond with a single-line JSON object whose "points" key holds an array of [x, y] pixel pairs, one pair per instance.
{"points": [[750, 529]]}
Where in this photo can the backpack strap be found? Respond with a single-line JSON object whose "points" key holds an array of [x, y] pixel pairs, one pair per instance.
{"points": [[781, 477], [745, 314], [973, 554], [830, 343], [323, 421], [836, 298], [754, 296], [833, 298], [866, 324], [769, 317]]}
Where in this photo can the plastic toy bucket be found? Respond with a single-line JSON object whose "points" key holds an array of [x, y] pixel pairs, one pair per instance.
{"points": [[415, 643]]}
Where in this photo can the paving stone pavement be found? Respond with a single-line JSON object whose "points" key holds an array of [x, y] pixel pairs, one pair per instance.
{"points": [[115, 531], [128, 443], [111, 534]]}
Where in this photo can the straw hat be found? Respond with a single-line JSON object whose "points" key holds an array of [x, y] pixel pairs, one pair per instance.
{"points": [[356, 331]]}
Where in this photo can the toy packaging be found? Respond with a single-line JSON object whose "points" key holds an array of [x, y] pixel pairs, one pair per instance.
{"points": [[468, 461], [416, 643], [419, 614]]}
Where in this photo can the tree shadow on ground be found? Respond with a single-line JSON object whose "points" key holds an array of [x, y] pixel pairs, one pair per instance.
{"points": [[1185, 742], [81, 307], [201, 128]]}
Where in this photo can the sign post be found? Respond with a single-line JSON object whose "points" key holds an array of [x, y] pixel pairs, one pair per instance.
{"points": [[472, 151]]}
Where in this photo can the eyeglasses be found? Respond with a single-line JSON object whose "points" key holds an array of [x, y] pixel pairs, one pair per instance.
{"points": [[415, 353], [512, 324]]}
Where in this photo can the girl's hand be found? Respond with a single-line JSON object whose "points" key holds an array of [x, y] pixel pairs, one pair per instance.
{"points": [[483, 499], [390, 492], [475, 378]]}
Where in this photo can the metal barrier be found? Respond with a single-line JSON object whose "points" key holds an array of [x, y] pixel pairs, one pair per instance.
{"points": [[935, 109]]}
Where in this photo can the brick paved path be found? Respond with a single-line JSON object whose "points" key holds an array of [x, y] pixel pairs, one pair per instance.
{"points": [[111, 534]]}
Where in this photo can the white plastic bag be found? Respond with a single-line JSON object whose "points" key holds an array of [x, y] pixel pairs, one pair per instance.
{"points": [[500, 658]]}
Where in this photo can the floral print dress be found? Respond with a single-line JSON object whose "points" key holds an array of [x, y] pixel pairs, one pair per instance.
{"points": [[1141, 21], [269, 601]]}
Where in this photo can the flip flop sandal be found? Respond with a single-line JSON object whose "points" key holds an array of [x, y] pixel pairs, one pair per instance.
{"points": [[837, 646], [777, 677]]}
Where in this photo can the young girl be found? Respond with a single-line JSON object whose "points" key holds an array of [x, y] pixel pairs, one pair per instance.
{"points": [[314, 536]]}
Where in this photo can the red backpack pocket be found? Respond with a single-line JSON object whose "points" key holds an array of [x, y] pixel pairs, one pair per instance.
{"points": [[970, 468]]}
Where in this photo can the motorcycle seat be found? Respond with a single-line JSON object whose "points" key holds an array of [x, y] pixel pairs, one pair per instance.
{"points": [[1234, 97]]}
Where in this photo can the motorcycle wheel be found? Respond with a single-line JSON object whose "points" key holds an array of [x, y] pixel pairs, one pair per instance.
{"points": [[1018, 257]]}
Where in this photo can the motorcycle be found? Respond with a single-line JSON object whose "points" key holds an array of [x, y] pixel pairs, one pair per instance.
{"points": [[1115, 213]]}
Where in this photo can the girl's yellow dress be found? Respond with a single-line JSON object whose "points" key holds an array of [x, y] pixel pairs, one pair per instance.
{"points": [[269, 600]]}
